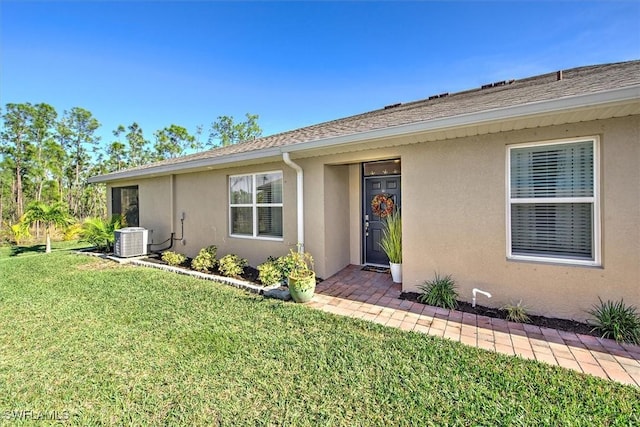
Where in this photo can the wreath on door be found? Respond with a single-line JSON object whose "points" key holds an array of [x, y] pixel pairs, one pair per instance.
{"points": [[382, 205]]}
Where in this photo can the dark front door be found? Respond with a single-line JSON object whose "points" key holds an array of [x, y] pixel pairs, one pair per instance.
{"points": [[373, 186]]}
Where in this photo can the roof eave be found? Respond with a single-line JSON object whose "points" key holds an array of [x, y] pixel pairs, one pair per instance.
{"points": [[188, 166], [558, 105], [576, 102]]}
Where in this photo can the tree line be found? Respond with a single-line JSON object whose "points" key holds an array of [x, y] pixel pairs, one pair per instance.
{"points": [[47, 157]]}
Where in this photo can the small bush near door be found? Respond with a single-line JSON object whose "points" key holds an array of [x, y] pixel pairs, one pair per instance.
{"points": [[205, 260], [616, 320], [232, 265], [270, 274], [285, 264], [439, 292]]}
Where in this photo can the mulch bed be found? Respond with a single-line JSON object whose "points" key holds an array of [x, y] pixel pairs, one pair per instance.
{"points": [[544, 322]]}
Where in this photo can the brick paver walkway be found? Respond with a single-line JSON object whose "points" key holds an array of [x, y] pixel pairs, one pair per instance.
{"points": [[374, 297]]}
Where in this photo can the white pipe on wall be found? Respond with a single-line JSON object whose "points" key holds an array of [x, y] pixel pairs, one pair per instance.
{"points": [[299, 196], [172, 202]]}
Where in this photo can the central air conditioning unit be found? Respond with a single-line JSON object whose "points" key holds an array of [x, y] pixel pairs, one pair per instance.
{"points": [[130, 241]]}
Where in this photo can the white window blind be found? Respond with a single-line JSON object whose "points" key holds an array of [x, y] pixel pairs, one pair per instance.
{"points": [[552, 201]]}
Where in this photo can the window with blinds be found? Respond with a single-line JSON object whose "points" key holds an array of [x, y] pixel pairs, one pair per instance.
{"points": [[553, 205], [255, 205]]}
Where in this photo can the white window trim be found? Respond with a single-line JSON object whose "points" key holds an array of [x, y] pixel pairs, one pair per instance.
{"points": [[595, 200], [255, 207]]}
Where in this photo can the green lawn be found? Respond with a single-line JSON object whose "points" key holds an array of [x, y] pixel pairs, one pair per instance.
{"points": [[101, 343]]}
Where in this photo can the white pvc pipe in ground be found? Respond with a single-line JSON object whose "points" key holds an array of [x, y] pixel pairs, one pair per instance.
{"points": [[478, 291]]}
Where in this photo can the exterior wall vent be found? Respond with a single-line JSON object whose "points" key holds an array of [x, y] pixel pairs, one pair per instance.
{"points": [[130, 241]]}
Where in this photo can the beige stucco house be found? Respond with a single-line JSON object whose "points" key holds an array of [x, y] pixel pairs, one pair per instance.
{"points": [[528, 189]]}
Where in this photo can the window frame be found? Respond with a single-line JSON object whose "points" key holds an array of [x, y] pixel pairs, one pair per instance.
{"points": [[254, 205], [593, 200]]}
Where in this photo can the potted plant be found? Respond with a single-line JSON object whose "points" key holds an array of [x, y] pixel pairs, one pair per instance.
{"points": [[301, 278], [391, 244]]}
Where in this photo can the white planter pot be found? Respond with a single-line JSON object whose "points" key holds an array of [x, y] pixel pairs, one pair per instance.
{"points": [[396, 272]]}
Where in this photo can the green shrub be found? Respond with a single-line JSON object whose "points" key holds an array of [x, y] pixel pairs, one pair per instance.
{"points": [[516, 312], [439, 292], [18, 233], [285, 264], [269, 274], [616, 320], [73, 232], [288, 263], [101, 233], [212, 250], [232, 265], [278, 269], [173, 258], [205, 260]]}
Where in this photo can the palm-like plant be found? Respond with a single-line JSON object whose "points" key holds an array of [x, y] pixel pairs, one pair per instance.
{"points": [[51, 216], [101, 233], [391, 241], [18, 232]]}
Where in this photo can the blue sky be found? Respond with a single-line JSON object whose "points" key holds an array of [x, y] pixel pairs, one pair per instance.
{"points": [[294, 63]]}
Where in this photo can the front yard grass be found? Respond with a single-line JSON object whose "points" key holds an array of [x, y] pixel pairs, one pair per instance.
{"points": [[108, 344]]}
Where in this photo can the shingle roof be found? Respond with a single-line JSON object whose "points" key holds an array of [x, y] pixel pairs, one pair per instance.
{"points": [[576, 81]]}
